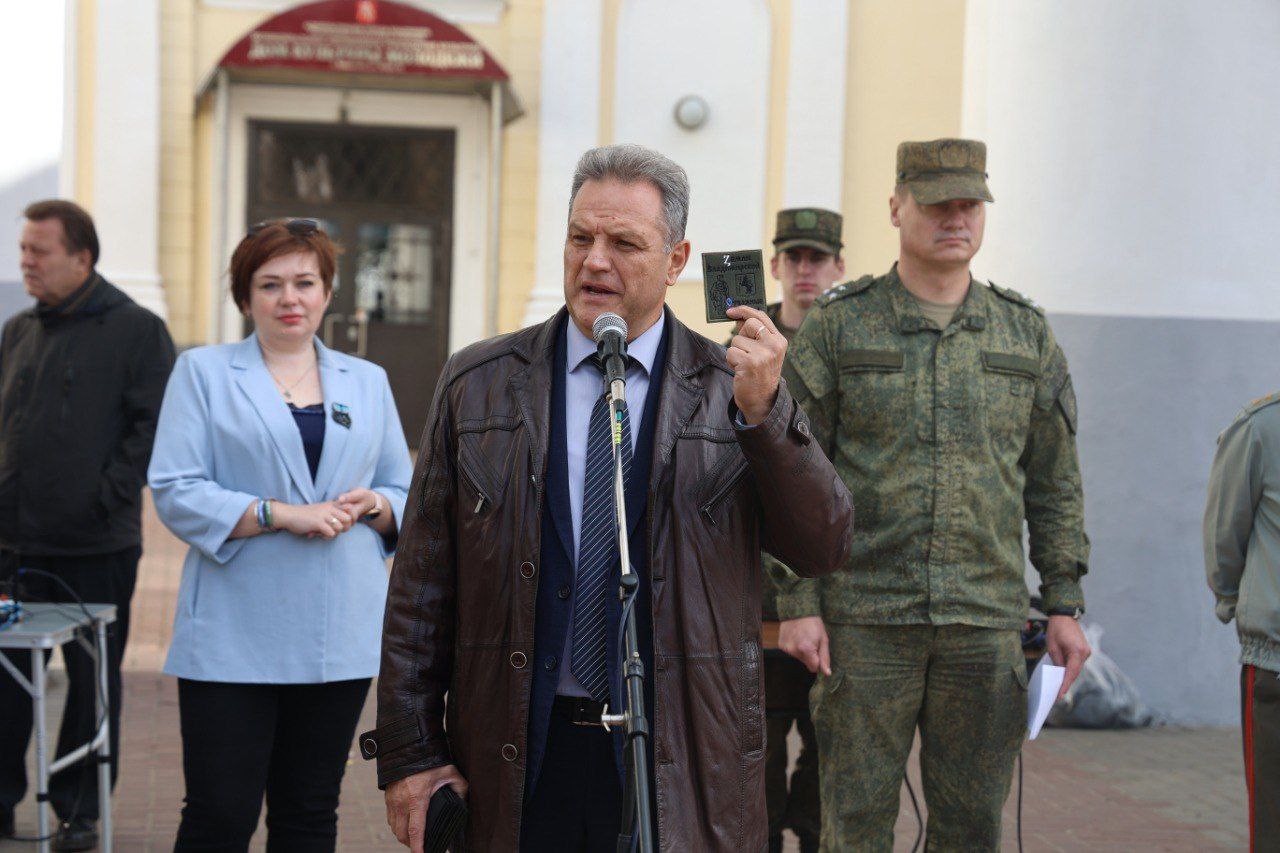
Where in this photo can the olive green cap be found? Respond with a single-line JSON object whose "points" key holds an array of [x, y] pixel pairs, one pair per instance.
{"points": [[944, 169], [808, 226]]}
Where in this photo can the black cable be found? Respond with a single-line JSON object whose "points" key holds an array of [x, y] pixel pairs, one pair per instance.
{"points": [[1019, 801], [628, 603], [85, 765], [919, 820]]}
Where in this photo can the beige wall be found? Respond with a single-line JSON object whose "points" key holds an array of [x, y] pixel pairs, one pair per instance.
{"points": [[86, 59], [904, 81], [188, 314], [517, 44], [906, 64]]}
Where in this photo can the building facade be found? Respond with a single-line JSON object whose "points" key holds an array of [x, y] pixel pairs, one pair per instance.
{"points": [[437, 139]]}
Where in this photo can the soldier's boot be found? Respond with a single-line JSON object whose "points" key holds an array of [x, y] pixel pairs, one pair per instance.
{"points": [[775, 843], [808, 842]]}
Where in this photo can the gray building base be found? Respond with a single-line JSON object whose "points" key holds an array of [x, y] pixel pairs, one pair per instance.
{"points": [[1154, 395]]}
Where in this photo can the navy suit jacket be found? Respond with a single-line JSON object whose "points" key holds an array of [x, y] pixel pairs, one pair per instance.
{"points": [[555, 588]]}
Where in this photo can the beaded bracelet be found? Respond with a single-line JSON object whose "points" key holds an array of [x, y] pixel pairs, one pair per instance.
{"points": [[263, 512]]}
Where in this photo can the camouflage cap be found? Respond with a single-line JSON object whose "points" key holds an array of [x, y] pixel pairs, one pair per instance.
{"points": [[808, 226], [944, 169]]}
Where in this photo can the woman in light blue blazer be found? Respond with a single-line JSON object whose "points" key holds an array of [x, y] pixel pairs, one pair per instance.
{"points": [[283, 465]]}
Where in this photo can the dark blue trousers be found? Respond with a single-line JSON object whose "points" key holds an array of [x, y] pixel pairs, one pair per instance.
{"points": [[577, 804]]}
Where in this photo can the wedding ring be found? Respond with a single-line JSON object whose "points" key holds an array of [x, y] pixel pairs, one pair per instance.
{"points": [[333, 520], [759, 331]]}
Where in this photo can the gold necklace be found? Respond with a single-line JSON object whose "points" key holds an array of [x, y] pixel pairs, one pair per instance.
{"points": [[288, 392]]}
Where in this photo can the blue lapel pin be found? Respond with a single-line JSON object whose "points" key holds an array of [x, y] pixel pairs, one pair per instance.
{"points": [[341, 415]]}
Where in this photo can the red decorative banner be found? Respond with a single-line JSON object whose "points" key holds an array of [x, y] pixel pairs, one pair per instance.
{"points": [[363, 37]]}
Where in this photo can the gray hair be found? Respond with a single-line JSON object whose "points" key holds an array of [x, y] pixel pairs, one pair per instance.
{"points": [[632, 163]]}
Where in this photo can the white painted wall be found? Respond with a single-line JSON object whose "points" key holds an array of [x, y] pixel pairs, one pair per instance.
{"points": [[15, 195], [815, 104], [568, 125], [1133, 152], [718, 49], [126, 148]]}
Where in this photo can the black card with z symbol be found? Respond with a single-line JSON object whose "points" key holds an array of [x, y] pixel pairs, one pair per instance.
{"points": [[732, 279]]}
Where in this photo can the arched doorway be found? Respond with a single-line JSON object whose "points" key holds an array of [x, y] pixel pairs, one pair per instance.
{"points": [[364, 114]]}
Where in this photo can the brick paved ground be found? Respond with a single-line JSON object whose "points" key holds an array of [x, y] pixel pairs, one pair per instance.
{"points": [[1158, 789]]}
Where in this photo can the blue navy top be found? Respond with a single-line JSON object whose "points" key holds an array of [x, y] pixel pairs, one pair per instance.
{"points": [[310, 420]]}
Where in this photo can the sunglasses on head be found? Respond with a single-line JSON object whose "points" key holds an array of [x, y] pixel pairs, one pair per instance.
{"points": [[296, 227]]}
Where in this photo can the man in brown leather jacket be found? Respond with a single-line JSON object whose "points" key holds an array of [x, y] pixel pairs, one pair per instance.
{"points": [[491, 604]]}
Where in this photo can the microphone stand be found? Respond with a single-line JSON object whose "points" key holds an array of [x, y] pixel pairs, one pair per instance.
{"points": [[637, 818]]}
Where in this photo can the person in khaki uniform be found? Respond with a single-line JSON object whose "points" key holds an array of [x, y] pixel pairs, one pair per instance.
{"points": [[1242, 561], [806, 262], [947, 407]]}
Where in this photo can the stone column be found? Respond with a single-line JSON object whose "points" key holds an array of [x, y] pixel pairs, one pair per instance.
{"points": [[569, 124], [126, 148]]}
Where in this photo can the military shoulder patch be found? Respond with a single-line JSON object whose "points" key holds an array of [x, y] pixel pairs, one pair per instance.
{"points": [[1261, 403], [849, 288], [1014, 297]]}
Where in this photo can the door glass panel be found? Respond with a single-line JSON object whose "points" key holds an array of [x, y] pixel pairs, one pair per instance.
{"points": [[334, 230], [353, 165], [393, 277]]}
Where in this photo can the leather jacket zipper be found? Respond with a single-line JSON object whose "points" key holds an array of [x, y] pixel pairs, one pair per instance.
{"points": [[709, 507], [475, 484]]}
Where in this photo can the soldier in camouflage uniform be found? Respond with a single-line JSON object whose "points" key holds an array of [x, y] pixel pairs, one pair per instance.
{"points": [[806, 262], [946, 406]]}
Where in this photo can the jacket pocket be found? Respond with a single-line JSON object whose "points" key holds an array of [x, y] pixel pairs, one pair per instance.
{"points": [[1013, 365], [1008, 388], [825, 687], [875, 394], [191, 595], [1020, 679], [872, 361]]}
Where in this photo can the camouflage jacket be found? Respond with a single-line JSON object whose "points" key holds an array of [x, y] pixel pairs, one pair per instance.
{"points": [[948, 440], [1242, 531]]}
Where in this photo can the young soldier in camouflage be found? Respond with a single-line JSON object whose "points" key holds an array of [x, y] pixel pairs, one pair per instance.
{"points": [[806, 262], [947, 407]]}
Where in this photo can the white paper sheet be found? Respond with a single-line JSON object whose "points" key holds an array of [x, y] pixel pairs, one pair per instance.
{"points": [[1042, 691]]}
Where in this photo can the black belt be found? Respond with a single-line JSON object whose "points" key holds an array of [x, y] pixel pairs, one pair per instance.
{"points": [[580, 710]]}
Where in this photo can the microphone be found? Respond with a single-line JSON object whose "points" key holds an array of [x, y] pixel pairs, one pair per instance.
{"points": [[610, 332]]}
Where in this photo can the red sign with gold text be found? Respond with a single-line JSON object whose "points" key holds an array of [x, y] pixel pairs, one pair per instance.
{"points": [[363, 37]]}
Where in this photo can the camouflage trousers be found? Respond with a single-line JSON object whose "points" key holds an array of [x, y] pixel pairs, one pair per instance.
{"points": [[792, 803], [966, 690]]}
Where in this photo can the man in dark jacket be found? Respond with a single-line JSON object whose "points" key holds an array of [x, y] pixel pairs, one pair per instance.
{"points": [[503, 595], [82, 374]]}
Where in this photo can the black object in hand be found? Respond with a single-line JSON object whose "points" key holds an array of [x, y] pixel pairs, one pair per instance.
{"points": [[732, 279], [446, 819]]}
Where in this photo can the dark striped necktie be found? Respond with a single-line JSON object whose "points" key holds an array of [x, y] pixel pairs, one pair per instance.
{"points": [[597, 575]]}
